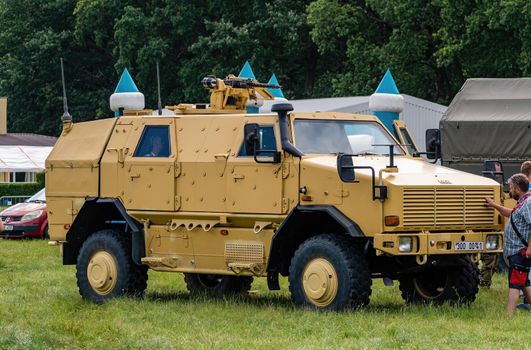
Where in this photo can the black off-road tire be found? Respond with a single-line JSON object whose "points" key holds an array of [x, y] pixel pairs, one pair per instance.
{"points": [[131, 279], [349, 263], [454, 284], [217, 285]]}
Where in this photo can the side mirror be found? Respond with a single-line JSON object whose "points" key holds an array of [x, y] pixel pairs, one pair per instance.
{"points": [[251, 138], [252, 146], [433, 144], [493, 169]]}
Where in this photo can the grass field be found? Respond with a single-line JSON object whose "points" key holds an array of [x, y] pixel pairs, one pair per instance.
{"points": [[40, 308]]}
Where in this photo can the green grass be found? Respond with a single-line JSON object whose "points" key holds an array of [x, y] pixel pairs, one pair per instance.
{"points": [[40, 308]]}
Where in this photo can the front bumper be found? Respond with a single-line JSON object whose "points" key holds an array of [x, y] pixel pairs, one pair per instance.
{"points": [[19, 230], [426, 243]]}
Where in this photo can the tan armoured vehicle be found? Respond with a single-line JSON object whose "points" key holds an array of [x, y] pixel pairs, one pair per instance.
{"points": [[330, 200]]}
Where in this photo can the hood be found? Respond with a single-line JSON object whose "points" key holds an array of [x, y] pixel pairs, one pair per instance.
{"points": [[411, 172], [23, 208]]}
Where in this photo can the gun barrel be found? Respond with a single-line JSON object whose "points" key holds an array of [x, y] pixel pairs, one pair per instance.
{"points": [[249, 83], [210, 82]]}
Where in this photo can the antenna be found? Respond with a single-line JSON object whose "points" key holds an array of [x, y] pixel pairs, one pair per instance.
{"points": [[158, 89], [66, 116]]}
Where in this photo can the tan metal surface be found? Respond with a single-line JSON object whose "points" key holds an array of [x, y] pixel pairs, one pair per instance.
{"points": [[3, 115], [320, 282], [102, 272], [434, 243], [447, 206]]}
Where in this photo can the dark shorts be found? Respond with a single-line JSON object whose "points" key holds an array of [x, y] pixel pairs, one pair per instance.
{"points": [[519, 271]]}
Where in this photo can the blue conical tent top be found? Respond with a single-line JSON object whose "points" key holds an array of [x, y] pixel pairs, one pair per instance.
{"points": [[275, 92], [126, 83], [387, 85], [247, 71]]}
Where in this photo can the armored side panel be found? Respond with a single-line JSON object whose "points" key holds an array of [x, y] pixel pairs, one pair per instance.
{"points": [[72, 172]]}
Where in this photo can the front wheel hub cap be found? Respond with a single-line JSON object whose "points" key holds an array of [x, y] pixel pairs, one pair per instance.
{"points": [[102, 272], [320, 282]]}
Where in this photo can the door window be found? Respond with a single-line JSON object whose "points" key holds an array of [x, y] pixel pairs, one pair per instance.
{"points": [[268, 141], [154, 142]]}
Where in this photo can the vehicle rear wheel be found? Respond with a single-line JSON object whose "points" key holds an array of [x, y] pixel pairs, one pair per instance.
{"points": [[105, 269], [453, 284], [197, 283], [328, 272]]}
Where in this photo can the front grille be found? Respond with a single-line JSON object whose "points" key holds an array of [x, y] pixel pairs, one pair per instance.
{"points": [[438, 206], [11, 218]]}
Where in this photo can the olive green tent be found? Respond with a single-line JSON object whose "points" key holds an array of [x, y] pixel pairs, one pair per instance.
{"points": [[488, 119]]}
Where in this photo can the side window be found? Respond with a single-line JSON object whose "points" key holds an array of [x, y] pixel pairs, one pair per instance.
{"points": [[409, 141], [154, 142], [268, 141]]}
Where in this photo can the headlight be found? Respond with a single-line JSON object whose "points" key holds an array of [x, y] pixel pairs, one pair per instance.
{"points": [[492, 242], [31, 215], [405, 244]]}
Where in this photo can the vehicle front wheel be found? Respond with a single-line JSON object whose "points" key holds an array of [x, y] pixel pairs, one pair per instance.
{"points": [[105, 269], [454, 284], [197, 283], [328, 272]]}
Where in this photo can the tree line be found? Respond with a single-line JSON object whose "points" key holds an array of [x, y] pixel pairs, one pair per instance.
{"points": [[319, 48]]}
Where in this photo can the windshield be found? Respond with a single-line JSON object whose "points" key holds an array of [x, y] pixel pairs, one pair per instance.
{"points": [[38, 197], [342, 136]]}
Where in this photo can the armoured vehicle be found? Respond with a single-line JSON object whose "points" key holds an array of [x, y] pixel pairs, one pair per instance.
{"points": [[330, 200]]}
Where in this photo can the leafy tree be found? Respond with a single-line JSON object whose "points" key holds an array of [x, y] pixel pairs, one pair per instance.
{"points": [[317, 48], [432, 46]]}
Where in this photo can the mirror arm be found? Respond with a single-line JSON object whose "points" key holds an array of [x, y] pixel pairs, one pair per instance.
{"points": [[428, 153]]}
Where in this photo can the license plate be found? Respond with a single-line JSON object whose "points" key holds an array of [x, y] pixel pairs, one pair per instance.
{"points": [[8, 227], [468, 245]]}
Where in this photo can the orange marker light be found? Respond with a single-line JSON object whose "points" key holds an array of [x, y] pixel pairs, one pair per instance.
{"points": [[392, 220]]}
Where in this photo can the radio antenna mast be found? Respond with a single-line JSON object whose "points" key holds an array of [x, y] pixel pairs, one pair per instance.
{"points": [[66, 116], [158, 89]]}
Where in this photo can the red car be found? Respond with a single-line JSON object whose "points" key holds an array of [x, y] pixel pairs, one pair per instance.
{"points": [[28, 219]]}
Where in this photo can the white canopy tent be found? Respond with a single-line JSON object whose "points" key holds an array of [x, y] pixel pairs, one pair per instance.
{"points": [[23, 158]]}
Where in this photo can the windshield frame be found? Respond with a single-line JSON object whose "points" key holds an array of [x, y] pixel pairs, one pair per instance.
{"points": [[397, 145]]}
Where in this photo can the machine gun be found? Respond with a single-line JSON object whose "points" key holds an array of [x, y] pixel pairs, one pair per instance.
{"points": [[211, 82], [229, 95]]}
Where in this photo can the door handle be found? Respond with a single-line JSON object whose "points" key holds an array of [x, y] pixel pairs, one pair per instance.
{"points": [[121, 153], [238, 177], [134, 176]]}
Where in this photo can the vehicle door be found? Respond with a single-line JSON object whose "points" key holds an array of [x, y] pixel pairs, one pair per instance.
{"points": [[404, 136], [149, 177], [255, 187], [113, 160]]}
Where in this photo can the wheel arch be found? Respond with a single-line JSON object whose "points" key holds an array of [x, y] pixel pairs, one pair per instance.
{"points": [[302, 223], [97, 214]]}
